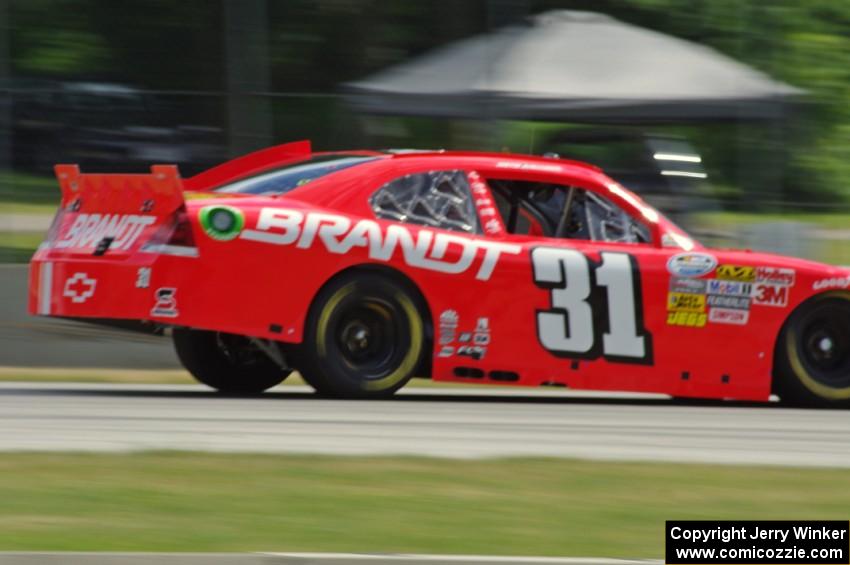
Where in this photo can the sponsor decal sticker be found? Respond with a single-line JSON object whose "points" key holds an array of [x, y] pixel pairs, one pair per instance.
{"points": [[682, 302], [729, 316], [691, 264], [836, 282], [448, 334], [775, 275], [683, 284], [79, 287], [88, 230], [448, 326], [424, 249], [770, 295], [736, 273], [730, 288], [735, 302], [221, 222], [686, 319], [166, 303], [143, 277]]}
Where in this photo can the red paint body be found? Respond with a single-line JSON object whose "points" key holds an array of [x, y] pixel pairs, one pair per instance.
{"points": [[265, 290]]}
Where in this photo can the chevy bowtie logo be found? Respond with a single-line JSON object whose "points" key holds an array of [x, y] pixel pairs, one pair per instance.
{"points": [[79, 288]]}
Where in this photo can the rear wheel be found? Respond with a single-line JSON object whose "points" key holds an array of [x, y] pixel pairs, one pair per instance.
{"points": [[813, 353], [364, 337], [226, 362]]}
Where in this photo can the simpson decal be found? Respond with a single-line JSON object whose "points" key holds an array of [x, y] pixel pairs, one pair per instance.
{"points": [[88, 230], [736, 273], [691, 264], [729, 316], [425, 249]]}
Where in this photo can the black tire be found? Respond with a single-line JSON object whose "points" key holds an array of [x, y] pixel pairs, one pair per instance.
{"points": [[364, 337], [226, 362], [812, 363]]}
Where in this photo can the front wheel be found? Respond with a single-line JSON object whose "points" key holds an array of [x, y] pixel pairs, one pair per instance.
{"points": [[364, 337], [813, 354], [226, 362]]}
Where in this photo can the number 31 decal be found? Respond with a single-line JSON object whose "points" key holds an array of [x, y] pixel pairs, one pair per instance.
{"points": [[596, 307]]}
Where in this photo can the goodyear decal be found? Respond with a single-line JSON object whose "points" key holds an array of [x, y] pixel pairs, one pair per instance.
{"points": [[736, 273]]}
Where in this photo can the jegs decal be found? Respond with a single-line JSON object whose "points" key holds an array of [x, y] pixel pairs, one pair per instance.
{"points": [[596, 309]]}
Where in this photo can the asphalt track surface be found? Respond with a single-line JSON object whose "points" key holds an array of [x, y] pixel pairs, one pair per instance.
{"points": [[463, 423]]}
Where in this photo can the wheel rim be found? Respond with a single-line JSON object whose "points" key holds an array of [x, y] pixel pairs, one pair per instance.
{"points": [[824, 345], [367, 337]]}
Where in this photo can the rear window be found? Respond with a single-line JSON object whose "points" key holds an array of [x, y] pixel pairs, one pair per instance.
{"points": [[289, 177]]}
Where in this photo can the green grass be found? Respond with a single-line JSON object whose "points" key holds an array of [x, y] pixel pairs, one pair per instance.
{"points": [[208, 502], [18, 247], [28, 193]]}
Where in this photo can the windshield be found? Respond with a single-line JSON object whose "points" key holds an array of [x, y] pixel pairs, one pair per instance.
{"points": [[288, 177]]}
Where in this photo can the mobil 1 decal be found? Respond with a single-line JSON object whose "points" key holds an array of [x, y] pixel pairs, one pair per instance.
{"points": [[595, 307]]}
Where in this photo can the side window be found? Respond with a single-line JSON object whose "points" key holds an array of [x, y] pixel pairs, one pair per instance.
{"points": [[532, 208], [438, 199]]}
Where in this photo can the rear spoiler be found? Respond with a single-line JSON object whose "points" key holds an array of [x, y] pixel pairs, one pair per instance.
{"points": [[249, 164], [96, 192]]}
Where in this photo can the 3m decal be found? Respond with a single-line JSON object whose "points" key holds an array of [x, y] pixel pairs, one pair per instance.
{"points": [[736, 273], [683, 284], [836, 282], [79, 288], [426, 249], [682, 302], [775, 275], [88, 230], [736, 302], [595, 309], [770, 295], [221, 222], [691, 264], [728, 316], [143, 277], [730, 288], [686, 319], [166, 303]]}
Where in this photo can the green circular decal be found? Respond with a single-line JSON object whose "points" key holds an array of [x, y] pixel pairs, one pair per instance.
{"points": [[221, 222]]}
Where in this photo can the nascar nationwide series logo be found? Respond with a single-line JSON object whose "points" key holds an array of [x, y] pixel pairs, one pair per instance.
{"points": [[425, 249]]}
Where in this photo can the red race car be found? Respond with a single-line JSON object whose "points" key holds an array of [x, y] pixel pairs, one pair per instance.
{"points": [[362, 269]]}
